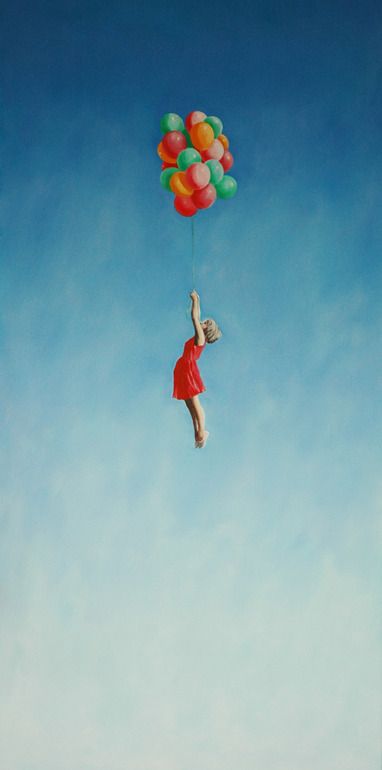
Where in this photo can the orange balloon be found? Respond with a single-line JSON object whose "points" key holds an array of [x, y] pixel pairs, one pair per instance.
{"points": [[202, 135], [179, 184], [223, 139], [164, 155]]}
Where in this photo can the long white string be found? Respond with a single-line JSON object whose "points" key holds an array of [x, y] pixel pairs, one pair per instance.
{"points": [[192, 260], [193, 251]]}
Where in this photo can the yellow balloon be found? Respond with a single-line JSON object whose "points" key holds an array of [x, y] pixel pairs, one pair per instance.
{"points": [[223, 139], [164, 155], [179, 184], [202, 135]]}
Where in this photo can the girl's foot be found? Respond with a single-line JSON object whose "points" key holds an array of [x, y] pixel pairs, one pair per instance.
{"points": [[202, 443]]}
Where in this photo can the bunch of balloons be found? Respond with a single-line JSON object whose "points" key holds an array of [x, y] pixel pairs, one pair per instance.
{"points": [[195, 158]]}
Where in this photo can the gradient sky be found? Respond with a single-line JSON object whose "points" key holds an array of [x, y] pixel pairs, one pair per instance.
{"points": [[164, 608]]}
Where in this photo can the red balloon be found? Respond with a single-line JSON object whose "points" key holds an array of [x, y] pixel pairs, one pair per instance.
{"points": [[227, 160], [194, 117], [198, 175], [168, 165], [185, 205], [214, 152], [203, 199], [174, 142]]}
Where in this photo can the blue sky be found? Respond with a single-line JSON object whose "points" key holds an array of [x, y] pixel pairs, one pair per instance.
{"points": [[165, 608]]}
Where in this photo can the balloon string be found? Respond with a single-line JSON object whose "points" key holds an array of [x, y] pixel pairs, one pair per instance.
{"points": [[193, 252], [192, 261]]}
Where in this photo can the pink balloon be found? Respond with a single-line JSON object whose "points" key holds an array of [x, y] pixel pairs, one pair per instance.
{"points": [[198, 175], [185, 205], [174, 142], [203, 199], [194, 117], [227, 160], [215, 152]]}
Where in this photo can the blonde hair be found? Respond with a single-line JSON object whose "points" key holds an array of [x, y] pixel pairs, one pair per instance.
{"points": [[212, 331]]}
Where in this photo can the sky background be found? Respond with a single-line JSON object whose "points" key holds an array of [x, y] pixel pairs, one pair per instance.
{"points": [[164, 608]]}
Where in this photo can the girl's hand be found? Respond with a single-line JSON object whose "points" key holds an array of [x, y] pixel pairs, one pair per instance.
{"points": [[194, 295]]}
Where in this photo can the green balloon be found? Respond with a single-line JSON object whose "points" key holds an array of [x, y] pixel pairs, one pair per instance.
{"points": [[227, 187], [166, 176], [187, 157], [216, 124], [188, 138], [217, 171], [171, 122]]}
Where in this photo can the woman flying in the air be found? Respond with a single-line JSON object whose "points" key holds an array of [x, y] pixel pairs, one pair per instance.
{"points": [[188, 383]]}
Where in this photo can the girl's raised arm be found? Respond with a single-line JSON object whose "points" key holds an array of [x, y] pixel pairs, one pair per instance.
{"points": [[195, 315]]}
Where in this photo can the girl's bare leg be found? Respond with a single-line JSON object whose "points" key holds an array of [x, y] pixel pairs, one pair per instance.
{"points": [[195, 422], [198, 417]]}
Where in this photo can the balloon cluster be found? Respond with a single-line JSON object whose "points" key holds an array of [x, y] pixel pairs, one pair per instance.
{"points": [[195, 158]]}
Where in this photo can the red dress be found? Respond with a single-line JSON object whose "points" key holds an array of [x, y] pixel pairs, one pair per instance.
{"points": [[187, 379]]}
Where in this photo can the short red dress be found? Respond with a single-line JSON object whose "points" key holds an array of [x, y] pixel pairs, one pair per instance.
{"points": [[187, 379]]}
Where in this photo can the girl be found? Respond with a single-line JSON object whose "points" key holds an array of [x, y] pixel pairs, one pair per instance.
{"points": [[187, 380]]}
